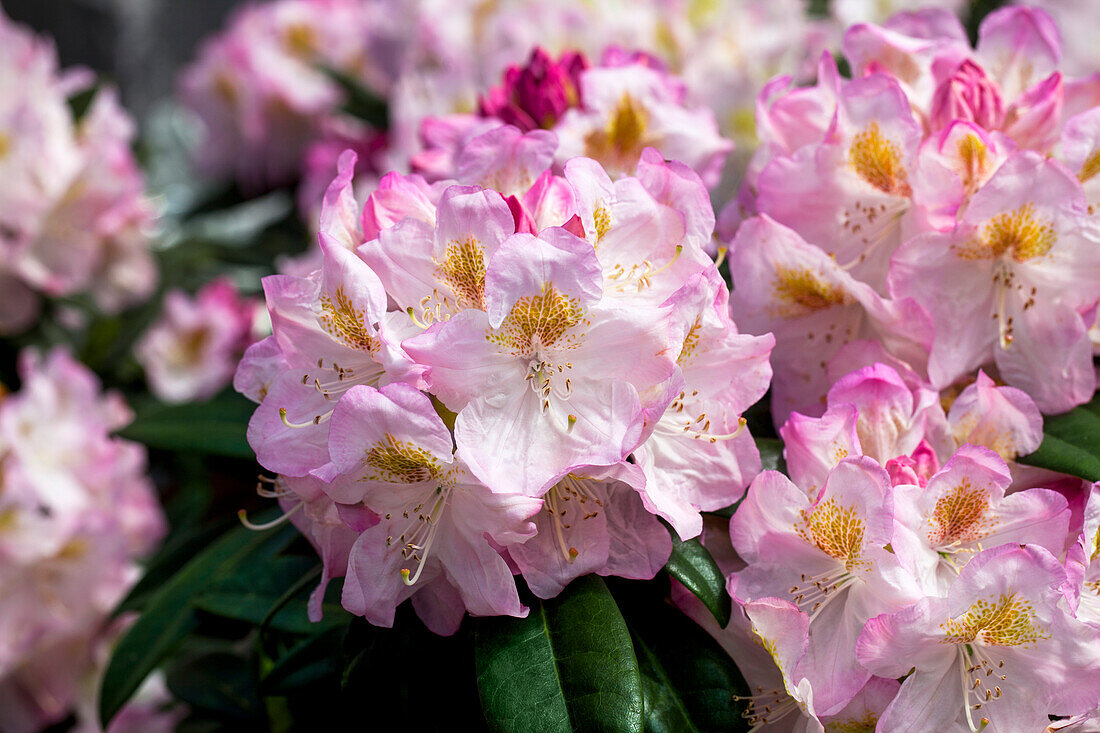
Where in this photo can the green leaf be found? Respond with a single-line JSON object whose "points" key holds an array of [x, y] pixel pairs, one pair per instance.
{"points": [[690, 682], [216, 426], [568, 666], [771, 454], [1071, 443], [691, 564], [251, 595], [218, 681], [360, 102], [170, 615], [178, 549], [310, 661]]}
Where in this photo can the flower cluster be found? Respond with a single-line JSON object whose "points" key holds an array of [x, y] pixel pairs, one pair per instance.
{"points": [[939, 204], [264, 92], [74, 217], [875, 563], [271, 109], [609, 112], [478, 383], [76, 511], [193, 349]]}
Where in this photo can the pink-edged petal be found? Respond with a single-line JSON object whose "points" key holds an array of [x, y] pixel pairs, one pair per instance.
{"points": [[813, 446], [462, 364], [513, 444], [1003, 419]]}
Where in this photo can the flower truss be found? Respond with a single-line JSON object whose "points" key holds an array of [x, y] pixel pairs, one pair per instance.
{"points": [[74, 217], [478, 383], [940, 203], [76, 513]]}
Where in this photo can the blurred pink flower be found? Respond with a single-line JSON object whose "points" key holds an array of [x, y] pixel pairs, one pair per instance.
{"points": [[192, 350]]}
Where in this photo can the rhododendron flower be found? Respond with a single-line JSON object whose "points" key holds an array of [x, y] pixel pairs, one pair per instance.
{"points": [[332, 333], [827, 557], [192, 351], [1008, 285], [73, 212], [550, 374], [432, 541], [629, 108], [851, 194], [899, 421], [699, 455], [768, 650], [997, 650], [593, 521], [813, 306], [78, 511], [964, 508]]}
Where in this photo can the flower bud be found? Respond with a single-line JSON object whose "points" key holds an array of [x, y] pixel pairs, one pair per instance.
{"points": [[537, 94], [968, 94]]}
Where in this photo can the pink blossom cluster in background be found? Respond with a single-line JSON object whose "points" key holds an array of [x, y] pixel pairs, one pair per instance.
{"points": [[270, 111], [74, 217], [77, 511], [550, 347], [193, 349], [904, 547], [608, 112], [938, 208]]}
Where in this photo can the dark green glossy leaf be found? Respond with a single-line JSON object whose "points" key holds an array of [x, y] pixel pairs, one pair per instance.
{"points": [[216, 426], [692, 565], [178, 549], [1071, 443], [690, 682], [568, 666], [170, 616], [252, 593], [221, 682], [309, 662], [771, 454]]}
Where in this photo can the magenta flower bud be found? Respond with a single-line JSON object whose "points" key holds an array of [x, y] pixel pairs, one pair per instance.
{"points": [[535, 95], [968, 94]]}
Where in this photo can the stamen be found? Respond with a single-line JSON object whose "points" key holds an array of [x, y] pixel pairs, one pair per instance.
{"points": [[317, 419], [243, 516], [722, 251], [412, 314]]}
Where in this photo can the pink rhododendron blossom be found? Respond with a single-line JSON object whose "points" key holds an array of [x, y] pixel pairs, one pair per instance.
{"points": [[74, 217], [825, 556], [435, 516], [900, 422], [964, 508], [998, 648], [629, 108], [1009, 283], [79, 511], [593, 521], [558, 359], [699, 455], [795, 290], [192, 351], [927, 158], [551, 374]]}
